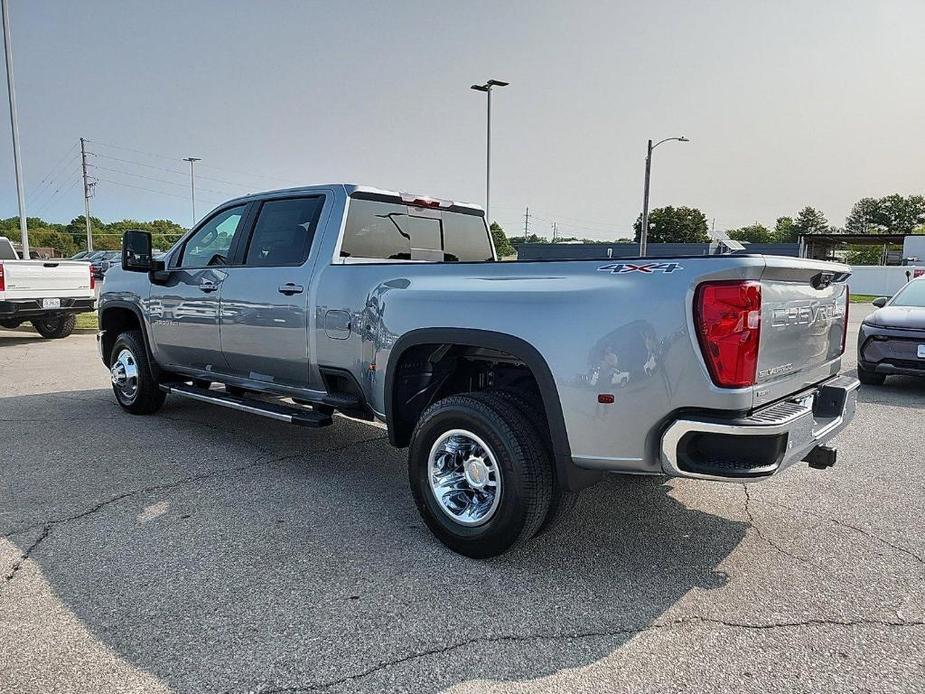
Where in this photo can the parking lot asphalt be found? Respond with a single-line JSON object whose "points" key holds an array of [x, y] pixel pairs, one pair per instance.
{"points": [[204, 550]]}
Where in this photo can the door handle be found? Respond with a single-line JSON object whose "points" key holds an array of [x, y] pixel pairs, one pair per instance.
{"points": [[208, 286], [289, 288]]}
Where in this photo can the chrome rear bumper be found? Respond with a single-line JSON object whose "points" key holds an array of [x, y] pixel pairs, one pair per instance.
{"points": [[764, 442]]}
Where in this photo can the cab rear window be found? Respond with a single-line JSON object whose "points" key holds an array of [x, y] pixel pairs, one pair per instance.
{"points": [[393, 231]]}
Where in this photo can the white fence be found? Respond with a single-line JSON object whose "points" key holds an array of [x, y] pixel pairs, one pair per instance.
{"points": [[880, 280]]}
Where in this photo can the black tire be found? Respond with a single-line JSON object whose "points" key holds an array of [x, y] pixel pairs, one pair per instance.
{"points": [[56, 328], [147, 397], [870, 378], [561, 500], [525, 470], [10, 324]]}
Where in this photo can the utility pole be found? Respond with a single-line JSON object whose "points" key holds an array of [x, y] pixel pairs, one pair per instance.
{"points": [[555, 231], [192, 185], [17, 163], [526, 223], [88, 190]]}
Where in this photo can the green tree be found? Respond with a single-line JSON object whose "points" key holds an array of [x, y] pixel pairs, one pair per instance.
{"points": [[865, 217], [864, 255], [753, 233], [45, 237], [503, 247], [895, 214], [810, 221], [900, 215], [784, 232], [675, 225], [530, 238]]}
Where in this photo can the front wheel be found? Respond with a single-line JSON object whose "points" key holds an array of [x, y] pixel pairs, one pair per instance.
{"points": [[56, 328], [132, 381], [9, 324], [480, 474]]}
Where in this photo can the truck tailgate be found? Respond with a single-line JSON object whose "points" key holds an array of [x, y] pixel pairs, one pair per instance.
{"points": [[804, 309], [29, 279]]}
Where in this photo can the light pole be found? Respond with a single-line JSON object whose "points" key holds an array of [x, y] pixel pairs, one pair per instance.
{"points": [[487, 89], [17, 164], [644, 227], [192, 185]]}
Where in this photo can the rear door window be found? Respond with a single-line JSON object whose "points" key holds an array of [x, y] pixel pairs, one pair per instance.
{"points": [[284, 232]]}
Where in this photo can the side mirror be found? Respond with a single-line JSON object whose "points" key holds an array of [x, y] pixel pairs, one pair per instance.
{"points": [[136, 251], [880, 302]]}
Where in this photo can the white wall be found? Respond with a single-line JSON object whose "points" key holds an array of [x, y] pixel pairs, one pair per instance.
{"points": [[880, 280]]}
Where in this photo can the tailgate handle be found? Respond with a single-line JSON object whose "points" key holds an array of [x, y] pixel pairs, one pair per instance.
{"points": [[289, 288], [822, 279]]}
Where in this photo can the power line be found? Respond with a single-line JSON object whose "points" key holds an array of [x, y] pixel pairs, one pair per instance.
{"points": [[46, 178], [150, 190], [56, 181], [208, 166], [159, 180], [179, 172], [61, 186], [46, 206]]}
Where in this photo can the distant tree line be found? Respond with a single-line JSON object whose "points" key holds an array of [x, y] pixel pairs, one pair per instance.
{"points": [[893, 214], [69, 238]]}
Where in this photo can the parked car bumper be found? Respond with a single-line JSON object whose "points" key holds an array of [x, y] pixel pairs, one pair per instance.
{"points": [[27, 309], [764, 442], [889, 351]]}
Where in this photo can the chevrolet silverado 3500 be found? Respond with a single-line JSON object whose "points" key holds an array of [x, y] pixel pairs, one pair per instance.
{"points": [[512, 384]]}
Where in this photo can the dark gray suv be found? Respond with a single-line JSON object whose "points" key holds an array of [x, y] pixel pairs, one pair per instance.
{"points": [[892, 339]]}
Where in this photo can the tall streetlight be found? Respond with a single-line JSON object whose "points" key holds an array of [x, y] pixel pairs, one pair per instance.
{"points": [[644, 228], [487, 89], [17, 164], [192, 185]]}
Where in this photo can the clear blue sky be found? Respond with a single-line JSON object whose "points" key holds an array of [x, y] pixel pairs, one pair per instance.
{"points": [[787, 103]]}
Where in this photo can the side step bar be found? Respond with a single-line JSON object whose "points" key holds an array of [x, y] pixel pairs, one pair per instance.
{"points": [[283, 413]]}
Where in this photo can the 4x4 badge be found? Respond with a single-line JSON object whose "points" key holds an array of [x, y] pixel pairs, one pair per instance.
{"points": [[648, 268]]}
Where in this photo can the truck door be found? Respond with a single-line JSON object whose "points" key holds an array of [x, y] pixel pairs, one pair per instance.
{"points": [[184, 309], [264, 298]]}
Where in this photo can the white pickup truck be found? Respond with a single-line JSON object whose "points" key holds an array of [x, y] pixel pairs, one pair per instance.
{"points": [[47, 293]]}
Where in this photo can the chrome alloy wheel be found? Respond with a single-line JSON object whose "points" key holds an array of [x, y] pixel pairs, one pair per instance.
{"points": [[124, 373], [464, 477]]}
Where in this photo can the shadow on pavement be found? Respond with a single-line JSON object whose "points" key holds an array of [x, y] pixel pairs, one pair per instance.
{"points": [[221, 552]]}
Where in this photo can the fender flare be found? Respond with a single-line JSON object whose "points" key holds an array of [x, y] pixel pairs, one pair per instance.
{"points": [[568, 474], [141, 323]]}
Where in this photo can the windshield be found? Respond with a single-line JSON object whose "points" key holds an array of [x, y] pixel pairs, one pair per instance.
{"points": [[384, 230], [913, 294]]}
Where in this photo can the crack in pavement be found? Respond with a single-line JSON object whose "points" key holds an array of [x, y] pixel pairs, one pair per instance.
{"points": [[754, 525], [597, 633], [263, 459], [861, 531]]}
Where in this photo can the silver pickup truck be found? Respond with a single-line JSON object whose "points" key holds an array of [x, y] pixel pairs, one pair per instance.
{"points": [[513, 384]]}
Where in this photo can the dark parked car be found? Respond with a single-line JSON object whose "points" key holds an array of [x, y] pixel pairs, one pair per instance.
{"points": [[892, 339], [101, 262]]}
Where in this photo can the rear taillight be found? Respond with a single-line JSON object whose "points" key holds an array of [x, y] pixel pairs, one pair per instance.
{"points": [[2, 280], [727, 316], [92, 279], [844, 332]]}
